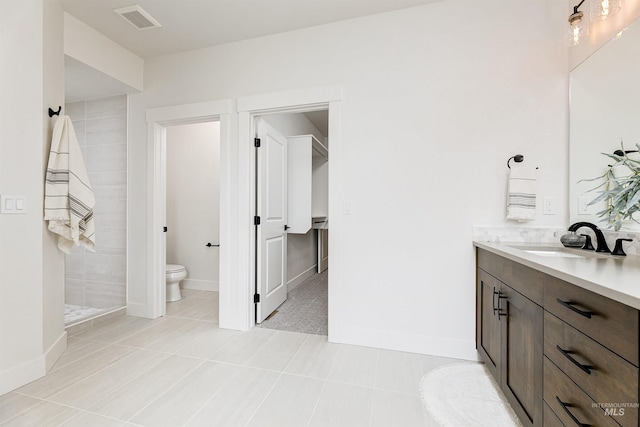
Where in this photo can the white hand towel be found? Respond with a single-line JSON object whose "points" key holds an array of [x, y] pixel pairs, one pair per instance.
{"points": [[521, 194], [69, 199]]}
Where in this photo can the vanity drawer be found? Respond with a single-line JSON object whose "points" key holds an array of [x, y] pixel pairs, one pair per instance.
{"points": [[606, 377], [525, 280], [550, 419], [571, 405], [609, 322]]}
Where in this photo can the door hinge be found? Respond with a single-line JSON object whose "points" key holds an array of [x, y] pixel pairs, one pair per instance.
{"points": [[164, 229], [256, 142], [256, 298], [256, 220]]}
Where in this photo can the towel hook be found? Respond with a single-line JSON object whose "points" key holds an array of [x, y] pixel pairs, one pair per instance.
{"points": [[55, 113], [518, 158]]}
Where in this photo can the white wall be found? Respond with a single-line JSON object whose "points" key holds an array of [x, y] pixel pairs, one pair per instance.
{"points": [[435, 100], [31, 292], [90, 47], [193, 202], [53, 268]]}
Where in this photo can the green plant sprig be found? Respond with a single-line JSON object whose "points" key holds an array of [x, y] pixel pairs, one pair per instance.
{"points": [[621, 193]]}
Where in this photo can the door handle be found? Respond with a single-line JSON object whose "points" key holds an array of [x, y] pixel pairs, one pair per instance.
{"points": [[210, 245], [286, 227]]}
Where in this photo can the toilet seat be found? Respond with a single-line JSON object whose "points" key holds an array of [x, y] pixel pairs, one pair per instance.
{"points": [[174, 268]]}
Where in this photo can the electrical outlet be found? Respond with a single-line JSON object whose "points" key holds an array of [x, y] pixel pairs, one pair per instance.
{"points": [[549, 206]]}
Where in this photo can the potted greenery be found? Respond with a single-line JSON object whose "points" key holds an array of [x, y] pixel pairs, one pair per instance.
{"points": [[619, 189]]}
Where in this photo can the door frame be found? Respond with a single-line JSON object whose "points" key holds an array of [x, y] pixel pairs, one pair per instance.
{"points": [[158, 119], [298, 101]]}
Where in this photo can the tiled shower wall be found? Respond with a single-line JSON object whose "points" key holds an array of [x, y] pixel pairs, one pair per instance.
{"points": [[99, 279]]}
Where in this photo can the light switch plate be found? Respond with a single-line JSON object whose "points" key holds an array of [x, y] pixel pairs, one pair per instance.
{"points": [[347, 208], [12, 204]]}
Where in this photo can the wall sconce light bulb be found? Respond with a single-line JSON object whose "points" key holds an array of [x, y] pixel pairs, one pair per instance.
{"points": [[604, 9]]}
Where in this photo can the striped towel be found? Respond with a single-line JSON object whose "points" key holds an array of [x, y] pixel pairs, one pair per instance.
{"points": [[521, 194], [68, 198]]}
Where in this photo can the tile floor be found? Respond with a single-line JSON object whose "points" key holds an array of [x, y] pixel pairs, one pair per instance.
{"points": [[182, 370]]}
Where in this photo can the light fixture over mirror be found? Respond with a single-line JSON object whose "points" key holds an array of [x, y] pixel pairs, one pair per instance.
{"points": [[604, 9], [577, 27]]}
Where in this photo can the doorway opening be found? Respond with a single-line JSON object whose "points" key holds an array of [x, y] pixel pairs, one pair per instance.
{"points": [[292, 221], [192, 195], [95, 283], [250, 108], [160, 121]]}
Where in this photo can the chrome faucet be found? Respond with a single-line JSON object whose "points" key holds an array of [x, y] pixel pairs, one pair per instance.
{"points": [[602, 243]]}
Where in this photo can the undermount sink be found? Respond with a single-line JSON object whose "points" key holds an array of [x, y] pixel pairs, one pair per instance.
{"points": [[554, 253]]}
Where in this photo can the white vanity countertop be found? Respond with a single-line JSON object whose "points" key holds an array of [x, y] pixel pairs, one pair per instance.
{"points": [[614, 277]]}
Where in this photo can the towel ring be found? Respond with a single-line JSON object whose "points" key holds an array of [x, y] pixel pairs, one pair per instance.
{"points": [[518, 158]]}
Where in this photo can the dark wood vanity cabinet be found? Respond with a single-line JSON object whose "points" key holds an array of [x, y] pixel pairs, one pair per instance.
{"points": [[561, 354], [510, 342]]}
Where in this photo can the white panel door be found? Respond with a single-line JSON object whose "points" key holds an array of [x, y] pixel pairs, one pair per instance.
{"points": [[271, 202]]}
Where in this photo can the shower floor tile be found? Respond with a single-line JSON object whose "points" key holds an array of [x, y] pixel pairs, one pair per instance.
{"points": [[76, 313]]}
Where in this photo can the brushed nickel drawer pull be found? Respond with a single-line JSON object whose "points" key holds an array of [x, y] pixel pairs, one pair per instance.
{"points": [[585, 368], [566, 407], [571, 307]]}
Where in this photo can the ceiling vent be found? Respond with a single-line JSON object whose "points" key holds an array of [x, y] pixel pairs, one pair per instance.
{"points": [[137, 17]]}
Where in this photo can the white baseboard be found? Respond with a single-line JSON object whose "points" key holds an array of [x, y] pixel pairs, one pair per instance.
{"points": [[200, 285], [434, 346], [22, 374], [291, 284], [54, 352]]}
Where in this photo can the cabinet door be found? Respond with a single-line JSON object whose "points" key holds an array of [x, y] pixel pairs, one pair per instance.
{"points": [[521, 367], [487, 326]]}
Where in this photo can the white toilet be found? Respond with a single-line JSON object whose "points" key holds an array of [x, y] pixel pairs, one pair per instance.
{"points": [[174, 274]]}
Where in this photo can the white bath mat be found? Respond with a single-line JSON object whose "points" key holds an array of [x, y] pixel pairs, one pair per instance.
{"points": [[465, 394]]}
